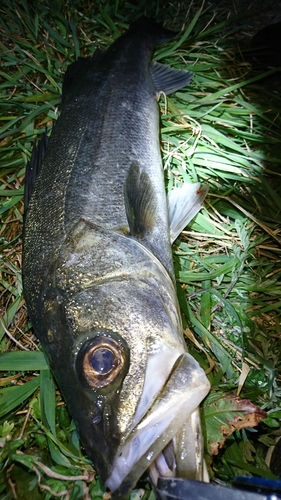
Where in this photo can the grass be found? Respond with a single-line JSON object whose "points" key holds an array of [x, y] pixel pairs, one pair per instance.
{"points": [[224, 129]]}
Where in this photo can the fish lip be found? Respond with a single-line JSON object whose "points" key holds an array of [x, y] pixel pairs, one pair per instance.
{"points": [[185, 388]]}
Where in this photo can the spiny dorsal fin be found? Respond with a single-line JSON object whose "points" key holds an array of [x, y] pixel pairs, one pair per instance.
{"points": [[33, 167], [167, 79], [184, 203], [140, 201]]}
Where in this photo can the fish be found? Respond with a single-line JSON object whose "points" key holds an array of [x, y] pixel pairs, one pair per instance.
{"points": [[98, 274]]}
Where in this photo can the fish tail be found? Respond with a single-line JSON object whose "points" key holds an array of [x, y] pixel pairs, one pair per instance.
{"points": [[149, 26]]}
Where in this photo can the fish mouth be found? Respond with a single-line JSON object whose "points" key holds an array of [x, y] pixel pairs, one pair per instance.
{"points": [[170, 428]]}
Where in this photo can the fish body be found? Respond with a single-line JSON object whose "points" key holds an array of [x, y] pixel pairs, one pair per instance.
{"points": [[97, 266]]}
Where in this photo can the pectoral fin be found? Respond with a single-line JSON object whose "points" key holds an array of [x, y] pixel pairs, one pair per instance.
{"points": [[184, 203], [140, 201]]}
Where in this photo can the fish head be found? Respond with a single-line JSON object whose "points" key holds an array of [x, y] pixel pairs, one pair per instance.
{"points": [[117, 352], [139, 402]]}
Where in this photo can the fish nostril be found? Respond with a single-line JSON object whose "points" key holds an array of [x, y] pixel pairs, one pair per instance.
{"points": [[97, 419]]}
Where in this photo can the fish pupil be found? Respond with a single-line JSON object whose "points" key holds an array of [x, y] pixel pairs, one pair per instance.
{"points": [[102, 360]]}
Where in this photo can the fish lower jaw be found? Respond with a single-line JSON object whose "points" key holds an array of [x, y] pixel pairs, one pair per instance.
{"points": [[180, 398], [137, 448]]}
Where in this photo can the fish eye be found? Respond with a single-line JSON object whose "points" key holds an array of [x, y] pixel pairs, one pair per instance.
{"points": [[100, 361]]}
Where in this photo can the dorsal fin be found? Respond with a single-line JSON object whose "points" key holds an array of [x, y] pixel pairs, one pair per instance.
{"points": [[33, 167]]}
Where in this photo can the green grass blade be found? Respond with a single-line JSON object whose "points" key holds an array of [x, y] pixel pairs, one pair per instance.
{"points": [[48, 400], [12, 397], [23, 361]]}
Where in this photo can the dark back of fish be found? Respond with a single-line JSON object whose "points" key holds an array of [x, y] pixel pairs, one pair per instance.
{"points": [[109, 120]]}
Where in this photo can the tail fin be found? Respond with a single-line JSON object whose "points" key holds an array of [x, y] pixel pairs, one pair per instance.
{"points": [[149, 26]]}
